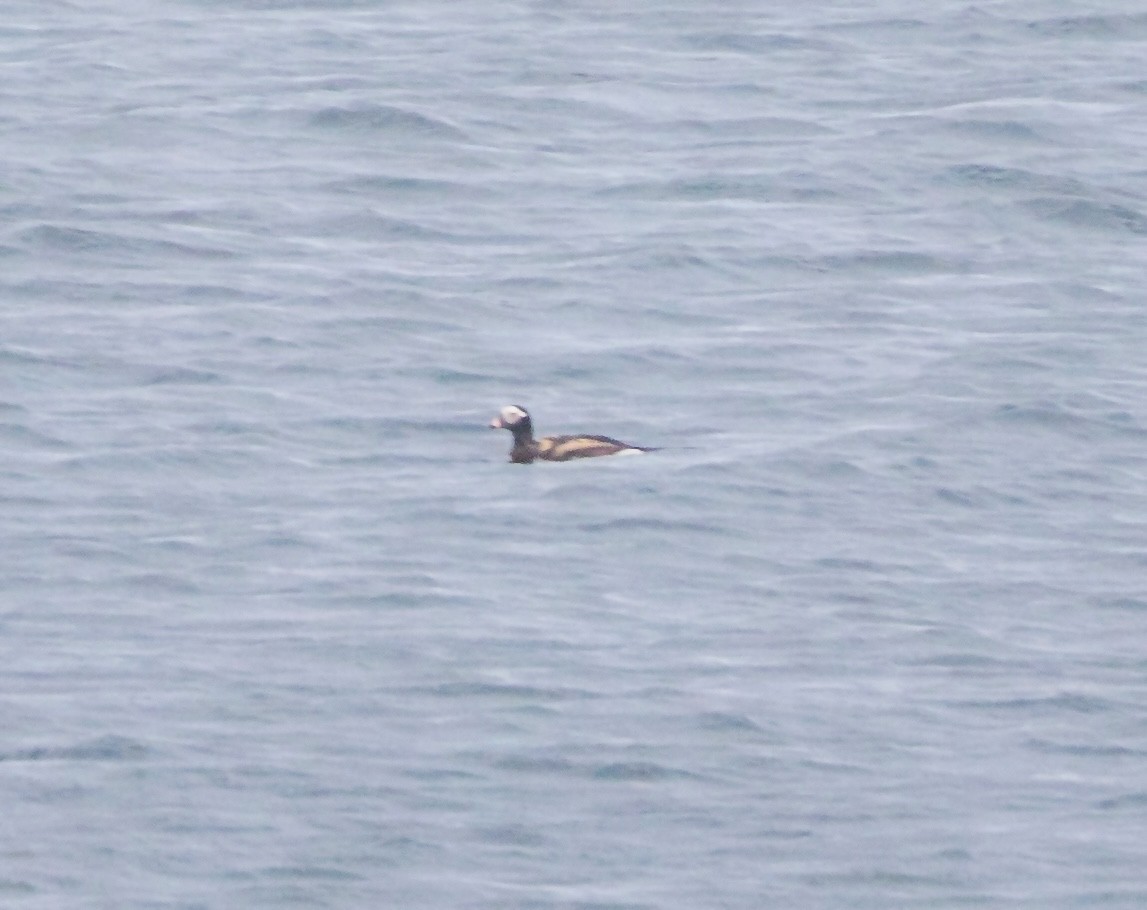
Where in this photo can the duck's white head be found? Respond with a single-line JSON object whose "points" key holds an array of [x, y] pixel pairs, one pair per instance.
{"points": [[510, 417]]}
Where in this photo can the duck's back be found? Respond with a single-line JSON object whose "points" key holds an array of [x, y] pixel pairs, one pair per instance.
{"points": [[563, 448]]}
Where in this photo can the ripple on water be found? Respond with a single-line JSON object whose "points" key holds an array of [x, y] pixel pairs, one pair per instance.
{"points": [[384, 118], [104, 748], [113, 243], [1086, 213]]}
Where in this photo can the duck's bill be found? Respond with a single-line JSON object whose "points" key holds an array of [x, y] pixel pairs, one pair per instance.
{"points": [[497, 424]]}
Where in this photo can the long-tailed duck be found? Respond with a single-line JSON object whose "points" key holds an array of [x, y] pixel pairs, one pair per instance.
{"points": [[554, 448]]}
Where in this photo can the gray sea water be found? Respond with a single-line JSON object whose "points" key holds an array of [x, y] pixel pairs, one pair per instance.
{"points": [[281, 627]]}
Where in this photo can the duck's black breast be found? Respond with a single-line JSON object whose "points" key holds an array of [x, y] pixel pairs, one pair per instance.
{"points": [[563, 448], [524, 453]]}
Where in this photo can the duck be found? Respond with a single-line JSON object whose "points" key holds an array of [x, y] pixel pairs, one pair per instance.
{"points": [[526, 449]]}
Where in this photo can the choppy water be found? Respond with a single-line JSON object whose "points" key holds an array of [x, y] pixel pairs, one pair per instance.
{"points": [[281, 627]]}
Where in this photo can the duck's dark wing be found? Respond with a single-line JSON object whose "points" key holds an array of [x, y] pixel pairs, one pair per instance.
{"points": [[563, 448]]}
